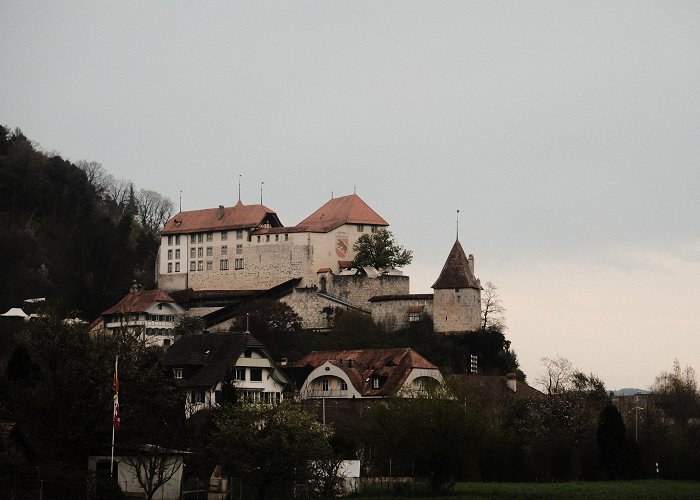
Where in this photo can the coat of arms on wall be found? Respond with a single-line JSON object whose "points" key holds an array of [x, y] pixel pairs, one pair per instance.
{"points": [[341, 244]]}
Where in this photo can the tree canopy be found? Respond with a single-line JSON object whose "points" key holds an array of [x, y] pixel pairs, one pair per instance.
{"points": [[71, 233], [379, 250]]}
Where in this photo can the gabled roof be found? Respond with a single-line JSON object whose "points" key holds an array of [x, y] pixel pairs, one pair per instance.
{"points": [[350, 209], [239, 216], [140, 301], [209, 356], [456, 273], [391, 366]]}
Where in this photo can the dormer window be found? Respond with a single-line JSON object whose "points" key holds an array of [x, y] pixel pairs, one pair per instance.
{"points": [[177, 373], [375, 383]]}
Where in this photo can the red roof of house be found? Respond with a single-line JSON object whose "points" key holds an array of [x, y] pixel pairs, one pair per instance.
{"points": [[239, 216], [392, 366], [139, 301], [456, 273], [349, 209]]}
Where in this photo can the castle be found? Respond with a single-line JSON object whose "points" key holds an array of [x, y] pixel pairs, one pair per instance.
{"points": [[211, 255]]}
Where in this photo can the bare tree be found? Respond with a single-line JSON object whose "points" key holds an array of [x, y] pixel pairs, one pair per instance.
{"points": [[97, 176], [118, 190], [492, 310], [154, 466], [154, 209], [558, 375]]}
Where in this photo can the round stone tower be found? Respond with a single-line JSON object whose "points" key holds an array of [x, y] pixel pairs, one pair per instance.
{"points": [[457, 296]]}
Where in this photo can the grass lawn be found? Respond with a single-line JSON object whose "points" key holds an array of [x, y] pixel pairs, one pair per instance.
{"points": [[636, 490]]}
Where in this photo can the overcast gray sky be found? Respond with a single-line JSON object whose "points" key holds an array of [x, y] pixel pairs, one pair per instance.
{"points": [[567, 133]]}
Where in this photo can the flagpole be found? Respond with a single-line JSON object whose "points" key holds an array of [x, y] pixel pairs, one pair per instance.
{"points": [[111, 463], [115, 411]]}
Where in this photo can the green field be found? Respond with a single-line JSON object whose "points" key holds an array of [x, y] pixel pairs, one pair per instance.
{"points": [[636, 490]]}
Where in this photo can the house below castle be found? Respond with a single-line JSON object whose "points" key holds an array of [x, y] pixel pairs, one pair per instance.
{"points": [[245, 251]]}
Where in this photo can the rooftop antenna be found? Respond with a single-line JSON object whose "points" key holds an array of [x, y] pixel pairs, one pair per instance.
{"points": [[261, 187], [239, 187], [181, 200], [247, 317], [458, 224]]}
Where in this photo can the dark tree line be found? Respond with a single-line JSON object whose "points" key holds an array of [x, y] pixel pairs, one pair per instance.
{"points": [[71, 233]]}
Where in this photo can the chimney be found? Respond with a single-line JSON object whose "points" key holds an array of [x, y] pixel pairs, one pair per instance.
{"points": [[221, 212], [512, 382], [471, 263]]}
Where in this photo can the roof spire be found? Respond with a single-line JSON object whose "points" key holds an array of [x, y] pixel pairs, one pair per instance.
{"points": [[354, 189], [458, 224], [181, 200], [261, 187], [239, 187]]}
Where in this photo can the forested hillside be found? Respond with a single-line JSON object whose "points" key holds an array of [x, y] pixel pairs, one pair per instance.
{"points": [[71, 232]]}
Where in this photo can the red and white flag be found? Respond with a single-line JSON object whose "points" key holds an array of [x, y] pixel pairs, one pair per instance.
{"points": [[116, 418]]}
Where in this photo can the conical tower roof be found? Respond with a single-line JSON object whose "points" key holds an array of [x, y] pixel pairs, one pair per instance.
{"points": [[456, 273]]}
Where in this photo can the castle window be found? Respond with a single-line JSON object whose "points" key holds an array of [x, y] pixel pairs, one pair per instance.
{"points": [[256, 374], [193, 266], [210, 236], [239, 264], [223, 264], [193, 252], [200, 265], [170, 240], [224, 250], [200, 252], [286, 237], [343, 385], [324, 385], [210, 251], [258, 239], [267, 237], [239, 234], [170, 255], [239, 249], [373, 229], [375, 383], [170, 267], [210, 265], [177, 239], [177, 267], [360, 228], [224, 235], [239, 374], [177, 373], [200, 238], [193, 238], [177, 253], [414, 316], [277, 237]]}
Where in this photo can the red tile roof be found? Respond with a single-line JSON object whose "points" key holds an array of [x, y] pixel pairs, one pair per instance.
{"points": [[338, 211], [456, 272], [239, 216], [138, 302], [391, 366]]}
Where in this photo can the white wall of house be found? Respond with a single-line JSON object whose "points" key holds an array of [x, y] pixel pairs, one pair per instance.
{"points": [[155, 325], [326, 381]]}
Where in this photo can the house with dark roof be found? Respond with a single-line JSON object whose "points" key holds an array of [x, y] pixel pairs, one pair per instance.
{"points": [[365, 373], [207, 365], [151, 314]]}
